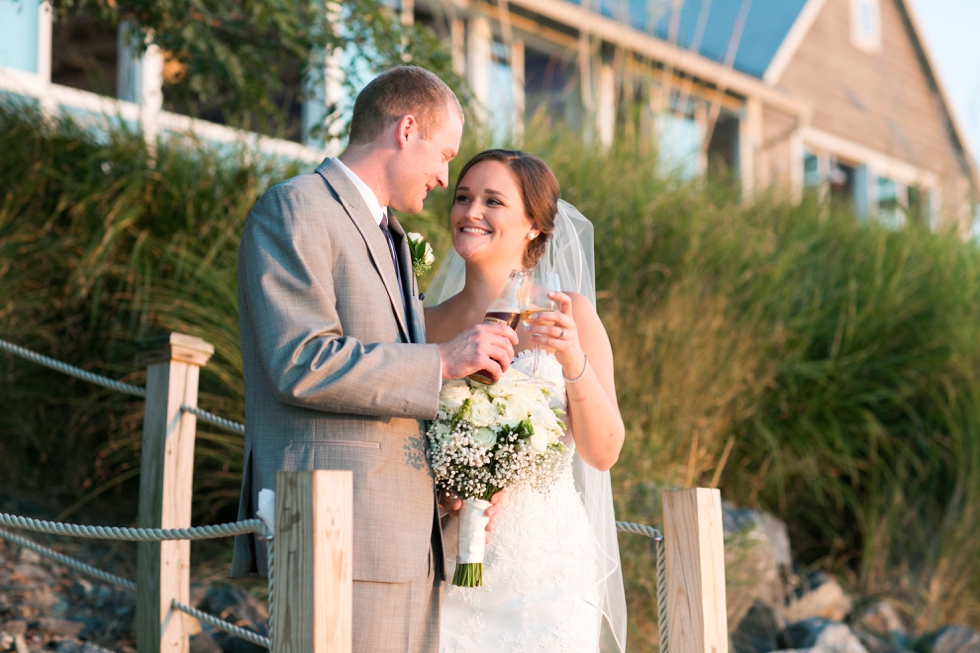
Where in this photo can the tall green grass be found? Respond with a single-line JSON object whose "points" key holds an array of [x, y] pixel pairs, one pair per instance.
{"points": [[817, 366]]}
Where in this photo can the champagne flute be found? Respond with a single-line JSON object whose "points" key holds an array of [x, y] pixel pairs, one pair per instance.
{"points": [[534, 299]]}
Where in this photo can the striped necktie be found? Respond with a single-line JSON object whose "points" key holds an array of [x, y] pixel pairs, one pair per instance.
{"points": [[394, 258]]}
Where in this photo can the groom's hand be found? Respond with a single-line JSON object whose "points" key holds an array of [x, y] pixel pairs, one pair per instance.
{"points": [[487, 347]]}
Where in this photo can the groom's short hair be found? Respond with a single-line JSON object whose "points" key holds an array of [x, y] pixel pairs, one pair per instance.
{"points": [[396, 93]]}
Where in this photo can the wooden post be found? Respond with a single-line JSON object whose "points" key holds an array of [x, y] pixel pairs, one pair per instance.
{"points": [[312, 604], [167, 470], [695, 548]]}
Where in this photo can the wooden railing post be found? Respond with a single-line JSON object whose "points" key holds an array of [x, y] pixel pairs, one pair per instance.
{"points": [[311, 607], [697, 621], [166, 473]]}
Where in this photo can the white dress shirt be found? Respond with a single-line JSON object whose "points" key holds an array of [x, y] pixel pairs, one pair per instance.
{"points": [[370, 199]]}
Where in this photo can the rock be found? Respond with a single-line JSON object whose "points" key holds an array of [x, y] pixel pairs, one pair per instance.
{"points": [[758, 564], [61, 627], [954, 639], [28, 556], [202, 643], [14, 627], [882, 620], [823, 636], [20, 644], [826, 600], [242, 609], [75, 646], [760, 631], [28, 571], [6, 641]]}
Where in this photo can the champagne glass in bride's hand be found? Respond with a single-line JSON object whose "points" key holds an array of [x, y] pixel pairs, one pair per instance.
{"points": [[534, 299]]}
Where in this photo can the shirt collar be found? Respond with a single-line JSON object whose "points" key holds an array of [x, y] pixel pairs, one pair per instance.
{"points": [[370, 199]]}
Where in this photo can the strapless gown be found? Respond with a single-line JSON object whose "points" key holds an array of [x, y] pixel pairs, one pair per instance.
{"points": [[540, 591]]}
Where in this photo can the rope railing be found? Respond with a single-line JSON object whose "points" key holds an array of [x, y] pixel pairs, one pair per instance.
{"points": [[67, 561], [658, 545], [71, 370], [136, 534], [214, 420], [221, 624], [143, 535]]}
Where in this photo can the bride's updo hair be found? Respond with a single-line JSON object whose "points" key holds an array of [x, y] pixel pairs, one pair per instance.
{"points": [[539, 191]]}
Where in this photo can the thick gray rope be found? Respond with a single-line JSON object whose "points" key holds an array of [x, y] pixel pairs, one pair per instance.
{"points": [[71, 370], [216, 420], [662, 634], [68, 562], [658, 545], [270, 549], [221, 624], [135, 534]]}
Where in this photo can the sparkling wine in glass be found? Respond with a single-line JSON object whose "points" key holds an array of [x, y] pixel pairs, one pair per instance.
{"points": [[534, 299]]}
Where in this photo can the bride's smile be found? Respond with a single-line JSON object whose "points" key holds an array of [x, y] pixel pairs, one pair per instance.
{"points": [[488, 217]]}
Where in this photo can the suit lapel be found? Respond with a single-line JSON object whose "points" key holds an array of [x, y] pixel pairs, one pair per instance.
{"points": [[368, 227], [408, 279]]}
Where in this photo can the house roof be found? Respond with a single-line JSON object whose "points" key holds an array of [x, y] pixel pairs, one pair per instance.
{"points": [[709, 26]]}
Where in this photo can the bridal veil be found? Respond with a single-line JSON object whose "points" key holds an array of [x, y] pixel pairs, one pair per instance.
{"points": [[570, 254]]}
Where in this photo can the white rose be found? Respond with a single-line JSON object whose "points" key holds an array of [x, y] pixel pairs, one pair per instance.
{"points": [[509, 413], [430, 256], [484, 437], [453, 396], [544, 420], [506, 385], [482, 412], [539, 441], [414, 237]]}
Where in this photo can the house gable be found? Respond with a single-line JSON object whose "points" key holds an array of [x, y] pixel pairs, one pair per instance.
{"points": [[888, 101]]}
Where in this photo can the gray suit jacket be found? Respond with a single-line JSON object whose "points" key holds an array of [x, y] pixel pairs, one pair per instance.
{"points": [[337, 375]]}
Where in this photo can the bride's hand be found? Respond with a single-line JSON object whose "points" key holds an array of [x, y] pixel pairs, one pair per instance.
{"points": [[451, 503], [556, 330]]}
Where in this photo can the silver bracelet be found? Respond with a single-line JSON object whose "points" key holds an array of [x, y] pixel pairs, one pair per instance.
{"points": [[578, 378]]}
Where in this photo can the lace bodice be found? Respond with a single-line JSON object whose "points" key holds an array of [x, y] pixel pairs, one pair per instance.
{"points": [[540, 590]]}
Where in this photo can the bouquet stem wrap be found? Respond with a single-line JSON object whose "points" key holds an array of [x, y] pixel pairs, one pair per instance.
{"points": [[473, 522]]}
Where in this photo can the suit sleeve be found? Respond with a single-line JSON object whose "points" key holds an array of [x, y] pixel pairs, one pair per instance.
{"points": [[288, 297]]}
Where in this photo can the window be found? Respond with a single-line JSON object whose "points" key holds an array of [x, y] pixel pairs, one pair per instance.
{"points": [[678, 142], [866, 25], [891, 203], [501, 97]]}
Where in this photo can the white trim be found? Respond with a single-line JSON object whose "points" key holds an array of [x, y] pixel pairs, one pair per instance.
{"points": [[44, 41], [646, 45], [103, 108], [794, 39], [882, 164]]}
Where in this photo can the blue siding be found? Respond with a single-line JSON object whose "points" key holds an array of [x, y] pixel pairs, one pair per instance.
{"points": [[18, 34], [766, 26]]}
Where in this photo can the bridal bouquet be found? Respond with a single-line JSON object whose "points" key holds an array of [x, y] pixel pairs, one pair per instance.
{"points": [[488, 438]]}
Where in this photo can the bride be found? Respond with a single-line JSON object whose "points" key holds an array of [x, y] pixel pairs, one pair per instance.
{"points": [[552, 580]]}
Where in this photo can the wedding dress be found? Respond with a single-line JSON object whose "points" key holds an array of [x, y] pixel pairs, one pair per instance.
{"points": [[540, 590]]}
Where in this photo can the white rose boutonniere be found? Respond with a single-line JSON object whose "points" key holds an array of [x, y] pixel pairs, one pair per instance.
{"points": [[421, 250]]}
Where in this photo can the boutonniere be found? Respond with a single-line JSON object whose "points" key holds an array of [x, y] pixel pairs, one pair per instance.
{"points": [[421, 250]]}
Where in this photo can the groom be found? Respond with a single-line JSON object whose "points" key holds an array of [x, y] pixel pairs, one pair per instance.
{"points": [[337, 375]]}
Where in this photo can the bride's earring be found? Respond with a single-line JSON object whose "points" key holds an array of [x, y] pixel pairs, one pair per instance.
{"points": [[531, 235]]}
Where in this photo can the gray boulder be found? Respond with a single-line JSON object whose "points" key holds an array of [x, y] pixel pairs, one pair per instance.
{"points": [[823, 636], [758, 564], [953, 639]]}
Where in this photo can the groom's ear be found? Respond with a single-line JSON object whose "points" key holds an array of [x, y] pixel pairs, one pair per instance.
{"points": [[404, 129]]}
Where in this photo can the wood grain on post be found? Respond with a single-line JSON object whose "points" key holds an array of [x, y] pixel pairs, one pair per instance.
{"points": [[312, 605], [695, 548], [166, 474]]}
